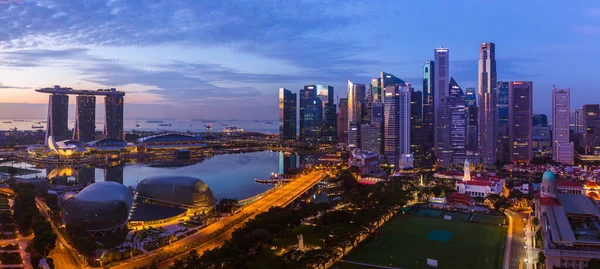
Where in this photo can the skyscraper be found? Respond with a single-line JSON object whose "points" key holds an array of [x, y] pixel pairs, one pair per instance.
{"points": [[356, 96], [375, 91], [310, 115], [441, 79], [113, 125], [540, 119], [342, 120], [85, 118], [520, 105], [397, 123], [388, 79], [428, 107], [58, 117], [370, 135], [287, 115], [591, 129], [487, 104], [562, 148], [328, 132], [502, 121], [470, 97], [416, 126], [458, 124]]}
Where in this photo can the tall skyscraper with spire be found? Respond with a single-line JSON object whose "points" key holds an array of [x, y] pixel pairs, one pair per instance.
{"points": [[562, 148], [487, 104], [441, 79]]}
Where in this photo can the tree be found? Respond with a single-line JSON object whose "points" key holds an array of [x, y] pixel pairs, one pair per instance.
{"points": [[535, 221], [501, 204], [593, 264], [541, 257]]}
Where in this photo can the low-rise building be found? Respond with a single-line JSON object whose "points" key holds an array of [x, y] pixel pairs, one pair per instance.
{"points": [[480, 185], [569, 225], [366, 161]]}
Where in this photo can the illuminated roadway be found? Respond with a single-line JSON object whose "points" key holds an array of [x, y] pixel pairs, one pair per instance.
{"points": [[281, 197], [516, 235], [63, 256]]}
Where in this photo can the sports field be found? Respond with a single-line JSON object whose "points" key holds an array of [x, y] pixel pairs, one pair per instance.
{"points": [[407, 242]]}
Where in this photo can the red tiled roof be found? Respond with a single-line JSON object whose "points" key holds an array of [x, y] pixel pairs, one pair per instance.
{"points": [[458, 198], [564, 183], [549, 201]]}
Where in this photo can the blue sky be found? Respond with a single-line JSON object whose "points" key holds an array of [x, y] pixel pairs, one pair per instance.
{"points": [[226, 59]]}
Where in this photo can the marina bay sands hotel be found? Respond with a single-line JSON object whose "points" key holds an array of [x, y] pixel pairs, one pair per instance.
{"points": [[85, 116]]}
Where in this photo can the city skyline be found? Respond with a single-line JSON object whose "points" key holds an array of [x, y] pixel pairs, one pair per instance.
{"points": [[188, 63]]}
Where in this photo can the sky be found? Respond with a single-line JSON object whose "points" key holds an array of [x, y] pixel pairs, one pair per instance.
{"points": [[225, 59]]}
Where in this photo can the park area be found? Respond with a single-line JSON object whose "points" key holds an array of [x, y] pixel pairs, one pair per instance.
{"points": [[408, 241]]}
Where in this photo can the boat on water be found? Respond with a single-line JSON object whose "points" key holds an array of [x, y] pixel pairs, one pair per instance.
{"points": [[208, 126], [37, 126], [223, 124], [154, 121], [164, 124], [18, 120], [39, 122], [7, 122], [268, 122], [138, 125]]}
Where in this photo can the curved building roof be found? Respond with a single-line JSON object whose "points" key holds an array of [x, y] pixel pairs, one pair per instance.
{"points": [[168, 138], [180, 190], [548, 175], [99, 206]]}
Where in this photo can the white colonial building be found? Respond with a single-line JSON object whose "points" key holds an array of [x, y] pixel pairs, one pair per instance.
{"points": [[479, 185]]}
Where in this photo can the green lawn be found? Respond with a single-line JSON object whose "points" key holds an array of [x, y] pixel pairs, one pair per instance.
{"points": [[403, 243], [489, 219]]}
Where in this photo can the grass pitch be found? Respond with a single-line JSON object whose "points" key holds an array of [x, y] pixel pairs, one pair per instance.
{"points": [[403, 243]]}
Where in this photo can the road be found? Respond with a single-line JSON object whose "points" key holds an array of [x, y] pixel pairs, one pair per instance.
{"points": [[516, 236], [281, 197], [61, 254]]}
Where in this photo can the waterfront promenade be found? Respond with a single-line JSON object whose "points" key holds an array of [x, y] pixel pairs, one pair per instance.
{"points": [[280, 197]]}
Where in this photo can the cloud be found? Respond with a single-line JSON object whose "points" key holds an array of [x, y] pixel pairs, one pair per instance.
{"points": [[277, 29], [4, 87]]}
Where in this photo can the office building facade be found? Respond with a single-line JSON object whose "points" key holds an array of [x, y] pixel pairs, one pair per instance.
{"points": [[458, 124], [520, 105], [310, 115], [562, 148], [370, 135], [441, 80], [487, 138], [342, 120], [591, 129], [287, 115], [85, 118], [416, 127], [328, 129], [428, 103], [396, 123]]}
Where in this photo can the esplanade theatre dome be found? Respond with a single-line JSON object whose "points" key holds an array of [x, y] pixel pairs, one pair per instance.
{"points": [[182, 191], [99, 207]]}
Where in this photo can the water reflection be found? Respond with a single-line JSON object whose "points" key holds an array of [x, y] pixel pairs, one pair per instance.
{"points": [[229, 176]]}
